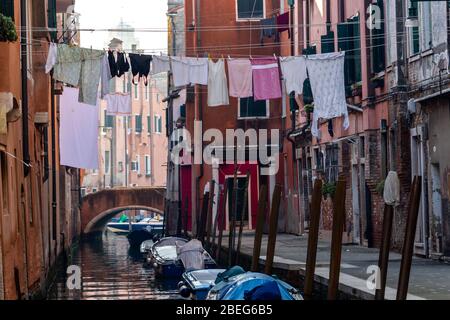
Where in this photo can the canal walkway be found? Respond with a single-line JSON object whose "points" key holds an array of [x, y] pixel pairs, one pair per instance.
{"points": [[429, 279]]}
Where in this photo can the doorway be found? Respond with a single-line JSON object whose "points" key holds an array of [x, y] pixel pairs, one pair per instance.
{"points": [[240, 200], [436, 206], [418, 169]]}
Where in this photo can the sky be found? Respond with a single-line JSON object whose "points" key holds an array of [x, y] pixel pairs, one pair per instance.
{"points": [[104, 14]]}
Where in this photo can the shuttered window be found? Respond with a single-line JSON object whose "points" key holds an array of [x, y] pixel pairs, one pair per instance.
{"points": [[109, 120], [349, 40], [138, 123], [377, 41], [327, 42]]}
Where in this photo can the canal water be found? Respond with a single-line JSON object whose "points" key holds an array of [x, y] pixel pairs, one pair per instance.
{"points": [[110, 270]]}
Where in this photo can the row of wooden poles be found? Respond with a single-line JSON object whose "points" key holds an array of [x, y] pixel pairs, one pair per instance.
{"points": [[207, 227]]}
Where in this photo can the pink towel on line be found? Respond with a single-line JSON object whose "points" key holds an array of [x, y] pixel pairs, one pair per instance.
{"points": [[266, 79], [240, 78]]}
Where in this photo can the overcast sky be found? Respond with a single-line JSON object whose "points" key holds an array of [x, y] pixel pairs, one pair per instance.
{"points": [[137, 13]]}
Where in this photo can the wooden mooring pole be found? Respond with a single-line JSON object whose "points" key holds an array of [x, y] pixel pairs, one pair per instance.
{"points": [[313, 238], [241, 222], [273, 229], [201, 225], [212, 186], [233, 219], [383, 260], [222, 220], [261, 218], [336, 239], [410, 234]]}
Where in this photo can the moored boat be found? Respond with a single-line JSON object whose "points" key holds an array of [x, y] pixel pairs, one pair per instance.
{"points": [[252, 286], [154, 225], [170, 257]]}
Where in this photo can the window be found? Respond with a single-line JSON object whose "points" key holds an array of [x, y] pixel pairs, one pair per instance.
{"points": [[413, 11], [94, 190], [138, 164], [133, 166], [149, 124], [138, 124], [332, 162], [148, 168], [120, 166], [7, 8], [109, 120], [248, 108], [377, 42], [158, 124], [250, 9], [426, 25], [349, 40], [318, 155], [136, 92], [83, 192], [107, 161]]}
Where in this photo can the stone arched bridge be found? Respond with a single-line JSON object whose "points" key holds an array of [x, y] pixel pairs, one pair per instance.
{"points": [[97, 208]]}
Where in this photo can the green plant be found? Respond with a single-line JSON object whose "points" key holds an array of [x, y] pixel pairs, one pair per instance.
{"points": [[329, 188], [7, 29], [309, 108], [380, 187]]}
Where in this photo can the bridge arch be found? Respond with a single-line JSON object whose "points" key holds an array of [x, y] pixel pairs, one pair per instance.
{"points": [[97, 208]]}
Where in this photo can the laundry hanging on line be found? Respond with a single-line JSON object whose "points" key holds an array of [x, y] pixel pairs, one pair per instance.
{"points": [[293, 70], [140, 66], [160, 64], [266, 79], [217, 84], [118, 104], [240, 78], [79, 67], [78, 132], [118, 63], [326, 74]]}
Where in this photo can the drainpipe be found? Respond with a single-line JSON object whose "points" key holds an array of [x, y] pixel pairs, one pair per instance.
{"points": [[24, 61]]}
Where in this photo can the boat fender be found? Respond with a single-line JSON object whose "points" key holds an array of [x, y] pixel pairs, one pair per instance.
{"points": [[180, 284], [185, 292]]}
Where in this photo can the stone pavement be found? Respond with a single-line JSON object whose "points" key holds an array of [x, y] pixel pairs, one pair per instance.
{"points": [[429, 279]]}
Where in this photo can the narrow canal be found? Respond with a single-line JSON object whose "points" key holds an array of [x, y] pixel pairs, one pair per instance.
{"points": [[110, 270]]}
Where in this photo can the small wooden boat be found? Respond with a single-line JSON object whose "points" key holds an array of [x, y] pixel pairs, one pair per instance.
{"points": [[169, 262]]}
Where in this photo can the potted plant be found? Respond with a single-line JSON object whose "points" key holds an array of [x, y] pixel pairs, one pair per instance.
{"points": [[329, 189], [8, 31]]}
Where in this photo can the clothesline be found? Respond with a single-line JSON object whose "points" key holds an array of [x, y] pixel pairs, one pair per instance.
{"points": [[254, 27]]}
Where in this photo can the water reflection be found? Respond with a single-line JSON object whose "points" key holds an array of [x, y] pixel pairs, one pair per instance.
{"points": [[111, 270]]}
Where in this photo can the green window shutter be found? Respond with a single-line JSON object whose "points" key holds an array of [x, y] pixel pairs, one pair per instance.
{"points": [[138, 123], [149, 124], [356, 36], [327, 42], [343, 45], [250, 108], [183, 111], [109, 120], [378, 55], [7, 8]]}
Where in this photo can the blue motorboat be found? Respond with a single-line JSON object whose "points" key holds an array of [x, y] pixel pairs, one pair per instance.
{"points": [[252, 286], [197, 283], [154, 225], [172, 256]]}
